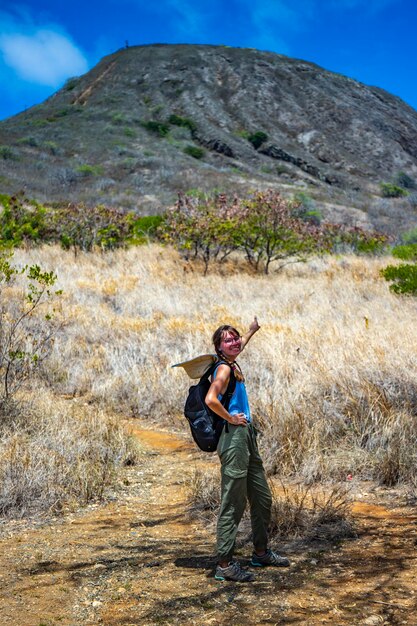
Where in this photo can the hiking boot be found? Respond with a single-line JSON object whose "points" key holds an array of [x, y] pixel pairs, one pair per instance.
{"points": [[269, 558], [234, 572]]}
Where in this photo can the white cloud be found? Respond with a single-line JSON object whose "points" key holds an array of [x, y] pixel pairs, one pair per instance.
{"points": [[45, 57]]}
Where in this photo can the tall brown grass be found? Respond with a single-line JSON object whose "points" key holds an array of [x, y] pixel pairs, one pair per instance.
{"points": [[331, 375], [56, 454]]}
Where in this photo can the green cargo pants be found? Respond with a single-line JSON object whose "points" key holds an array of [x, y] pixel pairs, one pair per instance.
{"points": [[243, 478]]}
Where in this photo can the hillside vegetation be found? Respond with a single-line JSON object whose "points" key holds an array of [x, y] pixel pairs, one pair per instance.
{"points": [[331, 375], [148, 122]]}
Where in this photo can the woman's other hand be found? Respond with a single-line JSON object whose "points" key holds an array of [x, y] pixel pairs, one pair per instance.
{"points": [[238, 419]]}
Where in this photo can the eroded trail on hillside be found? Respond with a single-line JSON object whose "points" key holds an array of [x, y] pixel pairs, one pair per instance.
{"points": [[138, 560]]}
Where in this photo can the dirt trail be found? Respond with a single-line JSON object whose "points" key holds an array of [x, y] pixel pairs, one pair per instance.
{"points": [[138, 560]]}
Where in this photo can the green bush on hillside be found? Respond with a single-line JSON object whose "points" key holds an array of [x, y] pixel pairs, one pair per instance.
{"points": [[403, 278], [28, 141], [389, 190], [8, 153], [406, 252], [194, 151], [118, 118], [242, 133], [129, 132], [89, 170], [59, 114], [74, 226], [22, 221], [185, 122], [143, 229], [257, 138], [82, 228], [51, 146], [154, 126]]}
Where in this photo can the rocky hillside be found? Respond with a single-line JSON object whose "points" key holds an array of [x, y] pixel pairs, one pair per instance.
{"points": [[149, 121]]}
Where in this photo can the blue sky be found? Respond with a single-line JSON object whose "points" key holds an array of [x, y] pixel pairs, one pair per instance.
{"points": [[45, 42]]}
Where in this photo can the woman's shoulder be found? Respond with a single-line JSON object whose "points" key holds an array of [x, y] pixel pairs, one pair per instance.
{"points": [[222, 369]]}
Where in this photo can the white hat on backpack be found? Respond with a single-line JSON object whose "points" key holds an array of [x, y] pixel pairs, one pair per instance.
{"points": [[196, 367]]}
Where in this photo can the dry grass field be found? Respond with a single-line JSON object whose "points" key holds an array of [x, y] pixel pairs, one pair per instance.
{"points": [[331, 374]]}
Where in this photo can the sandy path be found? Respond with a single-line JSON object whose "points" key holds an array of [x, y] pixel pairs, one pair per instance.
{"points": [[138, 560]]}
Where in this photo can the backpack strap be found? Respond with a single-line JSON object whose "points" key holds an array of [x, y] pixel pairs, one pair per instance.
{"points": [[232, 381], [227, 396]]}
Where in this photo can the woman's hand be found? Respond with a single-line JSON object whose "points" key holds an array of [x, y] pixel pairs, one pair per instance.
{"points": [[254, 326], [238, 419]]}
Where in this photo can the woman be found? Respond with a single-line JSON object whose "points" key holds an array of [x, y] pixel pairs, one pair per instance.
{"points": [[243, 476]]}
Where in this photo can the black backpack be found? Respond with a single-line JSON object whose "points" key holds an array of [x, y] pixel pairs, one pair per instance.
{"points": [[206, 426]]}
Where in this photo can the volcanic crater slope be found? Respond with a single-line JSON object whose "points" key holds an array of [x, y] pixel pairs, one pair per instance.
{"points": [[149, 121]]}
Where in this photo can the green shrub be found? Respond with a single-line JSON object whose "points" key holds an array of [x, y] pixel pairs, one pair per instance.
{"points": [[51, 146], [78, 227], [58, 115], [118, 118], [89, 170], [7, 153], [22, 221], [74, 226], [129, 132], [407, 252], [28, 141], [194, 151], [143, 229], [403, 277], [185, 122], [282, 169], [257, 139], [389, 190], [154, 126]]}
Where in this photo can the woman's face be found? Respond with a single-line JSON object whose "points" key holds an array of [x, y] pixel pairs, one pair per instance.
{"points": [[230, 344]]}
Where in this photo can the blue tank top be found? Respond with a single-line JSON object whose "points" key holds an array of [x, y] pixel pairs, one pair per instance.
{"points": [[239, 402]]}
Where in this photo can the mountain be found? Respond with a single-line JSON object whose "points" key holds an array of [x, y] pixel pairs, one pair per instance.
{"points": [[149, 121]]}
